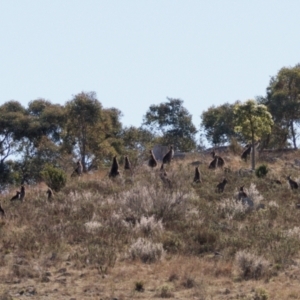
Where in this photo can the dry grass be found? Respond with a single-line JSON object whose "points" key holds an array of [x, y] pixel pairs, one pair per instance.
{"points": [[135, 238]]}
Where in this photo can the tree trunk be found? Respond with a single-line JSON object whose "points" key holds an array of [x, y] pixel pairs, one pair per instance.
{"points": [[293, 135], [253, 153]]}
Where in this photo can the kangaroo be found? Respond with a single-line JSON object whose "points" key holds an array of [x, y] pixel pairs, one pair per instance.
{"points": [[246, 152], [22, 193], [168, 156], [78, 170], [2, 213], [152, 163], [16, 197], [114, 171], [197, 177], [49, 193], [242, 193], [164, 176], [293, 184], [127, 165], [221, 186], [217, 162]]}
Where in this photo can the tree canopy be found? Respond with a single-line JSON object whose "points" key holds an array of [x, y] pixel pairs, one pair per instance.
{"points": [[218, 124], [173, 123], [283, 102], [58, 135], [252, 120]]}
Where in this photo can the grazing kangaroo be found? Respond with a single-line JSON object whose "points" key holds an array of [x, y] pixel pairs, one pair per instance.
{"points": [[49, 193], [114, 171], [78, 170], [242, 193], [16, 197], [217, 162], [197, 177], [152, 163], [221, 186], [22, 193], [168, 156], [293, 184]]}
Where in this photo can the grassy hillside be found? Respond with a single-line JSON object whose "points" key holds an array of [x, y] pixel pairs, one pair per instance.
{"points": [[141, 237]]}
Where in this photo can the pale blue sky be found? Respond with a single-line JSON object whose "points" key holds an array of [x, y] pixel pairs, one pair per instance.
{"points": [[137, 53]]}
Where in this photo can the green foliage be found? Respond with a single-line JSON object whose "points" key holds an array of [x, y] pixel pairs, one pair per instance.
{"points": [[218, 123], [283, 102], [46, 119], [253, 121], [91, 133], [55, 178], [173, 122], [13, 127], [261, 171], [6, 175]]}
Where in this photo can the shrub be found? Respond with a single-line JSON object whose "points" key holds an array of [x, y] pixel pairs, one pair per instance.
{"points": [[151, 200], [165, 291], [55, 178], [232, 209], [146, 251], [261, 294], [261, 171], [189, 282], [139, 286], [250, 265], [149, 226], [293, 233]]}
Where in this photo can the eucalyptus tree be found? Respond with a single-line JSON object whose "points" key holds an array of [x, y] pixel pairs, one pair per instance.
{"points": [[14, 124], [173, 123], [218, 124], [252, 120], [91, 132], [283, 102]]}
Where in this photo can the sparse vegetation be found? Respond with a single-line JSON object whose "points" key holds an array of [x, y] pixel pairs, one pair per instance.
{"points": [[105, 227]]}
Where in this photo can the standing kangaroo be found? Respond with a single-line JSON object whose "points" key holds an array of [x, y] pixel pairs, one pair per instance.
{"points": [[152, 162], [197, 177], [221, 186]]}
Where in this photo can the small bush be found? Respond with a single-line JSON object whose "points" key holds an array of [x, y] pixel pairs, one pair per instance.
{"points": [[165, 291], [189, 282], [55, 178], [149, 226], [293, 233], [261, 294], [139, 286], [232, 209], [250, 265], [146, 251], [254, 195], [261, 171]]}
